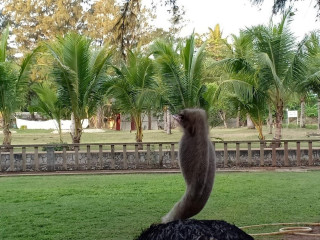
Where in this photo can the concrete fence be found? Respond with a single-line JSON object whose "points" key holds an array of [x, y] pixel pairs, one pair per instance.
{"points": [[285, 153]]}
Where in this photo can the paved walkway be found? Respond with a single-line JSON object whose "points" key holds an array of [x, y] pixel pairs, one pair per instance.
{"points": [[157, 171]]}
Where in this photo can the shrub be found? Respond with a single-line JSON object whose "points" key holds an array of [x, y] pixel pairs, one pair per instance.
{"points": [[57, 146]]}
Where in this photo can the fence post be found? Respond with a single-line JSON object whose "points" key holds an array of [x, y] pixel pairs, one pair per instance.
{"points": [[36, 159], [112, 157], [50, 158], [160, 156], [64, 158], [172, 155], [11, 160], [136, 155], [261, 153], [237, 154], [274, 154], [148, 154], [89, 159], [125, 160], [310, 153], [249, 154], [225, 155], [76, 157], [24, 159], [100, 157], [286, 158], [298, 154]]}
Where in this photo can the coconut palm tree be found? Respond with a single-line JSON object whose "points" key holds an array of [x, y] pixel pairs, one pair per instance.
{"points": [[13, 85], [79, 72], [134, 88], [47, 103], [279, 62], [243, 88], [312, 80], [181, 72]]}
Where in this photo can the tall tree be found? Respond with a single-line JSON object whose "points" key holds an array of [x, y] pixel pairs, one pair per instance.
{"points": [[312, 79], [243, 88], [134, 88], [280, 5], [181, 71], [216, 45], [279, 61], [78, 71], [132, 19], [13, 85], [100, 19], [34, 21], [48, 104]]}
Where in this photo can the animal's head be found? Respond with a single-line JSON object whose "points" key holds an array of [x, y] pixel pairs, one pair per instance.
{"points": [[192, 120]]}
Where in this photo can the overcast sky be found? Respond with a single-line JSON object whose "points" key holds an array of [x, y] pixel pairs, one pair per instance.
{"points": [[233, 15]]}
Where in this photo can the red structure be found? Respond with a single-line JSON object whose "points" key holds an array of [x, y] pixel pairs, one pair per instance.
{"points": [[118, 122], [133, 125]]}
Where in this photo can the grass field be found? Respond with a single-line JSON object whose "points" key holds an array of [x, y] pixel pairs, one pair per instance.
{"points": [[110, 136], [120, 206]]}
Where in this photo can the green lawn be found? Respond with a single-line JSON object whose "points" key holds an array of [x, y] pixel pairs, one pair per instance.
{"points": [[109, 136], [120, 206]]}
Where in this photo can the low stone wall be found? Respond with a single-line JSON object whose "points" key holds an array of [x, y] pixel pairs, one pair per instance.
{"points": [[116, 160]]}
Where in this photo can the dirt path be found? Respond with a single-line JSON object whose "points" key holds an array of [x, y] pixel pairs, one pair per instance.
{"points": [[315, 230]]}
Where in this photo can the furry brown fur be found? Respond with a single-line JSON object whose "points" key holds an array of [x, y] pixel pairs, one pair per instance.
{"points": [[197, 163]]}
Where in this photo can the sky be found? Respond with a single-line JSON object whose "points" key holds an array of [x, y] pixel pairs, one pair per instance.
{"points": [[233, 15]]}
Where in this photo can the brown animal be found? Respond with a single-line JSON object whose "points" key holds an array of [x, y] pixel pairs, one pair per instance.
{"points": [[197, 163]]}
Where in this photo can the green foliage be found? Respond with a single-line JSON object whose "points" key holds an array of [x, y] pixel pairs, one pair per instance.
{"points": [[79, 73], [311, 110], [312, 79], [47, 103], [23, 127], [134, 88], [58, 146], [117, 207], [310, 126], [13, 84], [181, 71]]}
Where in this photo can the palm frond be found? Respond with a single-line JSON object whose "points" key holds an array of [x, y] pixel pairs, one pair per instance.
{"points": [[181, 73], [3, 44], [134, 86]]}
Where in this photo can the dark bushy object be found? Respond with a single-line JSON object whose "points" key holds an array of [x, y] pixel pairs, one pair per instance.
{"points": [[57, 146], [191, 229]]}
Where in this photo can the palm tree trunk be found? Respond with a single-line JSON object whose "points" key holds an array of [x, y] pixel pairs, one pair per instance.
{"points": [[279, 118], [60, 131], [270, 120], [222, 116], [238, 118], [318, 113], [165, 125], [76, 129], [6, 130], [149, 120], [303, 114], [7, 134], [138, 123], [168, 121], [250, 123], [139, 134], [100, 117], [258, 125]]}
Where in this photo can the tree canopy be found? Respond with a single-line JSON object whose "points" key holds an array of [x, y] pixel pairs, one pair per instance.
{"points": [[280, 5]]}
